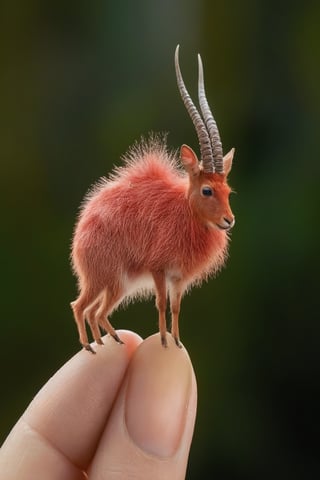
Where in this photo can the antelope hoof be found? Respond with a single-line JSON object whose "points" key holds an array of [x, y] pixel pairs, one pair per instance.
{"points": [[99, 341], [177, 341], [164, 342], [117, 339], [88, 347]]}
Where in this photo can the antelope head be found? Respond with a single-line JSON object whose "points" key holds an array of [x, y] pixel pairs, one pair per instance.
{"points": [[208, 188]]}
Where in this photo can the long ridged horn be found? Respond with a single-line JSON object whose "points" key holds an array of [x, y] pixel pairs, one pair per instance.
{"points": [[210, 122], [203, 136]]}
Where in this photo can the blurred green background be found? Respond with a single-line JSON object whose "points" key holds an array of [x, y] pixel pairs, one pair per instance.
{"points": [[80, 81]]}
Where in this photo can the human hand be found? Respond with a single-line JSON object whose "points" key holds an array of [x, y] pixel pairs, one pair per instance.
{"points": [[127, 412]]}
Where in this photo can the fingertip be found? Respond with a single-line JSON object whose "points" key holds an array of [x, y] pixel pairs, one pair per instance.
{"points": [[151, 425], [72, 408], [159, 388], [131, 339]]}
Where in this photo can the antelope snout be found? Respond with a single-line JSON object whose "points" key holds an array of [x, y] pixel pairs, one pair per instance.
{"points": [[227, 223]]}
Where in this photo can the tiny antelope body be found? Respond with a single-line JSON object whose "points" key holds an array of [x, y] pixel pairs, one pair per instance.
{"points": [[152, 227]]}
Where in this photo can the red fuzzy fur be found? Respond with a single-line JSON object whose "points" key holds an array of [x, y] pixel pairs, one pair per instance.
{"points": [[147, 229]]}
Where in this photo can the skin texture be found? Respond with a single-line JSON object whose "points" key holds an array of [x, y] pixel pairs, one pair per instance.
{"points": [[149, 229], [126, 413]]}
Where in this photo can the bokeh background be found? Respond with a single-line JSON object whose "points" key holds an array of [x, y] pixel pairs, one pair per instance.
{"points": [[79, 82]]}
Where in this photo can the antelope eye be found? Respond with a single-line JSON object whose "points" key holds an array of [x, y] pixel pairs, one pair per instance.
{"points": [[207, 191]]}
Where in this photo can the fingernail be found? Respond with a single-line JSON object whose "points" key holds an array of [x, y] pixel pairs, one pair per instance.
{"points": [[157, 397]]}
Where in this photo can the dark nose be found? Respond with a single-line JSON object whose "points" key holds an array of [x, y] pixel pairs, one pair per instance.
{"points": [[229, 221]]}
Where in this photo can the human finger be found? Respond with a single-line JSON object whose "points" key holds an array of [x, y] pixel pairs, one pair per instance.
{"points": [[58, 433], [150, 429]]}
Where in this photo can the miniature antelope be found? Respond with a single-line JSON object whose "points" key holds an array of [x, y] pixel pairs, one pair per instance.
{"points": [[152, 227]]}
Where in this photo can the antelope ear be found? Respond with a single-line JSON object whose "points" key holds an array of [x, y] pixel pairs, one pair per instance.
{"points": [[227, 162], [189, 160]]}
